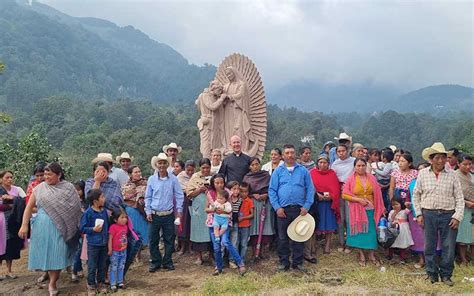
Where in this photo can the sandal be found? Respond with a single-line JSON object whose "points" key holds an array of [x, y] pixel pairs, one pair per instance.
{"points": [[43, 278], [375, 262], [347, 251], [419, 266], [53, 292], [362, 263], [10, 276]]}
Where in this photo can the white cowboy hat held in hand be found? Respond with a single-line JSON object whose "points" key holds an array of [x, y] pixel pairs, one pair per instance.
{"points": [[302, 228]]}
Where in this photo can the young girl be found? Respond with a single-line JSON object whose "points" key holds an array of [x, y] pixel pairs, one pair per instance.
{"points": [[94, 224], [77, 264], [118, 249], [398, 216], [221, 221], [236, 202]]}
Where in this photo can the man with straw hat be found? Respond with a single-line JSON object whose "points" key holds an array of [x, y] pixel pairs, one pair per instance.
{"points": [[172, 150], [163, 193], [439, 204], [291, 194], [125, 160]]}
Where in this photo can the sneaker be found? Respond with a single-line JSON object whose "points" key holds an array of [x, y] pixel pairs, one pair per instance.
{"points": [[217, 272], [153, 268], [299, 268], [169, 267], [447, 281], [121, 286], [233, 265], [74, 278], [242, 270], [282, 267], [433, 278]]}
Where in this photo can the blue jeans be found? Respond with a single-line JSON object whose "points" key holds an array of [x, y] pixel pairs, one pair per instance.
{"points": [[244, 234], [234, 236], [117, 265], [228, 245], [96, 258], [436, 221], [77, 263]]}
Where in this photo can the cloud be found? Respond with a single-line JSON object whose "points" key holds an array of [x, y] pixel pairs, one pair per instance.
{"points": [[399, 43]]}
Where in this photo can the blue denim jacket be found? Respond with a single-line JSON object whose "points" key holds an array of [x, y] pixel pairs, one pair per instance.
{"points": [[87, 225]]}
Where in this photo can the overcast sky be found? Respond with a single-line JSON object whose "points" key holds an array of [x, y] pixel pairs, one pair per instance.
{"points": [[405, 44]]}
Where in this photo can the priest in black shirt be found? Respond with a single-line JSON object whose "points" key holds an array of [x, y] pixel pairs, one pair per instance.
{"points": [[236, 165]]}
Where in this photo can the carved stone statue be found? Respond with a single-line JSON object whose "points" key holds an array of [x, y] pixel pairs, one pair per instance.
{"points": [[239, 108], [211, 122]]}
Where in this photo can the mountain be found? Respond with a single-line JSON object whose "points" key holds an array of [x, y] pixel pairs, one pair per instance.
{"points": [[368, 97], [330, 97], [47, 53], [438, 98]]}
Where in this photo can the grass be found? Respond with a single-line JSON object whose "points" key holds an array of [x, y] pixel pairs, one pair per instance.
{"points": [[336, 274]]}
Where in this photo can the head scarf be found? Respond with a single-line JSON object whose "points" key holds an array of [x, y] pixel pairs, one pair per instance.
{"points": [[327, 181]]}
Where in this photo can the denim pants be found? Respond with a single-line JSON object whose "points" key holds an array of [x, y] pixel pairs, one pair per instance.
{"points": [[244, 235], [77, 263], [228, 245], [96, 258], [166, 225], [234, 237], [117, 266], [437, 221], [292, 212]]}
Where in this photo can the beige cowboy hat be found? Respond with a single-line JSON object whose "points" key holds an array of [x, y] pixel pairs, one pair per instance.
{"points": [[155, 159], [172, 146], [302, 228], [343, 136], [103, 157], [124, 155], [436, 148]]}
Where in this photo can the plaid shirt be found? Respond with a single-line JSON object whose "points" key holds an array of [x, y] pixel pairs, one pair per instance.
{"points": [[438, 193], [111, 191]]}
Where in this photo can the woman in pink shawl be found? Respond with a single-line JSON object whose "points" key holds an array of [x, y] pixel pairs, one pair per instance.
{"points": [[365, 209]]}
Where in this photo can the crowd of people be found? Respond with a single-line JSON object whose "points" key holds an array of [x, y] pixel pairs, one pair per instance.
{"points": [[224, 205]]}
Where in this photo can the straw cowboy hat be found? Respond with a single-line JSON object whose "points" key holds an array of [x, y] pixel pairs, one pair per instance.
{"points": [[103, 157], [124, 155], [393, 148], [436, 148], [302, 228], [155, 159], [172, 146], [343, 136]]}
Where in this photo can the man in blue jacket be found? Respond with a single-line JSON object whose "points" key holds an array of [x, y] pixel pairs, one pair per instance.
{"points": [[291, 194]]}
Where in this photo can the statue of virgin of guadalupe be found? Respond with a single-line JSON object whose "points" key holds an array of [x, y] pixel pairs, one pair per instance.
{"points": [[236, 109]]}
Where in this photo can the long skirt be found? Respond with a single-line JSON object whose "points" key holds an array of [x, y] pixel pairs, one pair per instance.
{"points": [[199, 236], [3, 234], [48, 250], [327, 218], [183, 232], [268, 226], [466, 228], [140, 224], [365, 240]]}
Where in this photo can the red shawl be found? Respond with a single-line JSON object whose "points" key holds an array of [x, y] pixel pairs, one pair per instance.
{"points": [[357, 215], [327, 181]]}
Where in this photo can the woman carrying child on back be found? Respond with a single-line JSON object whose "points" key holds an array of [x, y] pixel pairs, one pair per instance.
{"points": [[398, 217]]}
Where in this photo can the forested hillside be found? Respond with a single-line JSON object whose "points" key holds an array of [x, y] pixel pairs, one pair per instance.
{"points": [[48, 53]]}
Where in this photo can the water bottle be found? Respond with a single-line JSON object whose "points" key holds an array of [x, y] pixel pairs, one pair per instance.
{"points": [[382, 229]]}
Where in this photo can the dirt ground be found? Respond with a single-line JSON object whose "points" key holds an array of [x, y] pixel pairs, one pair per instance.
{"points": [[336, 273]]}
